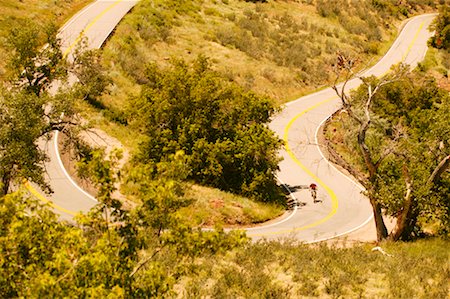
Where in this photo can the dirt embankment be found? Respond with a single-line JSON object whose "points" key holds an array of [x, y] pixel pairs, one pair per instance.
{"points": [[95, 138]]}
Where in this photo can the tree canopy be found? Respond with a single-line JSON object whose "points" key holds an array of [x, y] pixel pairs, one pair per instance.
{"points": [[28, 111], [441, 39], [220, 128], [111, 251], [37, 99], [398, 133]]}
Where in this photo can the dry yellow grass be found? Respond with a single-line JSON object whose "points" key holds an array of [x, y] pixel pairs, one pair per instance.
{"points": [[196, 32]]}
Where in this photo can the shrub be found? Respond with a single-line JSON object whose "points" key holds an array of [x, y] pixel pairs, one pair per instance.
{"points": [[441, 39], [219, 126]]}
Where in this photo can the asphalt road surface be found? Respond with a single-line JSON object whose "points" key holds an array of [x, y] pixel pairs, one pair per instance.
{"points": [[342, 208]]}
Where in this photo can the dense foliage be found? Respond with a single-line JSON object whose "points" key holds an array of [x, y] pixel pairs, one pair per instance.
{"points": [[112, 251], [403, 154], [36, 98], [441, 39], [42, 257], [28, 111], [415, 111], [384, 8], [120, 255], [42, 12], [220, 128]]}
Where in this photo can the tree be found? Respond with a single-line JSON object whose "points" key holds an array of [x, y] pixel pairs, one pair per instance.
{"points": [[441, 38], [25, 119], [420, 159], [35, 59], [405, 167], [220, 128], [107, 252], [148, 247], [38, 100], [111, 251], [92, 80], [38, 253]]}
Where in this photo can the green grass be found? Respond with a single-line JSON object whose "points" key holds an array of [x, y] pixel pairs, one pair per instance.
{"points": [[437, 63], [339, 141], [285, 270], [210, 207], [214, 207], [38, 10]]}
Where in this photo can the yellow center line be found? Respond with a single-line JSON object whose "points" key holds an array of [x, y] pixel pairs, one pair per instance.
{"points": [[92, 23], [39, 196], [333, 197], [416, 36]]}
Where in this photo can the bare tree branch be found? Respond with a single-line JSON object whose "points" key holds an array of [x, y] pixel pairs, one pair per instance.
{"points": [[144, 262], [439, 170], [405, 210]]}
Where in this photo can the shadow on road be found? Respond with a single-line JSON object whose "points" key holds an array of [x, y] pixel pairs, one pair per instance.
{"points": [[292, 201]]}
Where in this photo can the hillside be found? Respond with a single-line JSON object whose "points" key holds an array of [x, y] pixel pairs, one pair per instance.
{"points": [[281, 49], [186, 114], [278, 49]]}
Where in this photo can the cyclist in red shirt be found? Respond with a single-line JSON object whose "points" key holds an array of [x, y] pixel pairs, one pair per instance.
{"points": [[313, 189]]}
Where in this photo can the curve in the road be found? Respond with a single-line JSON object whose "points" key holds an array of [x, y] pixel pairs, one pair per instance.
{"points": [[80, 36], [411, 37], [330, 219], [95, 22]]}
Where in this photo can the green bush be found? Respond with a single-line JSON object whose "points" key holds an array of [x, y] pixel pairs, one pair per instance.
{"points": [[441, 39], [219, 126]]}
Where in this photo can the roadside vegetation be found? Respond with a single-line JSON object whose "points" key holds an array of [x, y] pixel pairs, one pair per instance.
{"points": [[188, 109], [281, 49], [287, 270], [135, 259], [220, 129], [211, 207], [392, 135], [437, 61], [393, 139], [42, 11], [189, 114]]}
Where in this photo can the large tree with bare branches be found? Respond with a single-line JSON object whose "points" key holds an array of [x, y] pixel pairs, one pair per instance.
{"points": [[36, 99], [397, 126]]}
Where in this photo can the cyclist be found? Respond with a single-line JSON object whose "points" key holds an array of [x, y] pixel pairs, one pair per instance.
{"points": [[313, 190]]}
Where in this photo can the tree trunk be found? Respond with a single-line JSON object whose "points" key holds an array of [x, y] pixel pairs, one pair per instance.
{"points": [[407, 233], [442, 166], [380, 226], [403, 217], [407, 217], [382, 232], [365, 151], [4, 186]]}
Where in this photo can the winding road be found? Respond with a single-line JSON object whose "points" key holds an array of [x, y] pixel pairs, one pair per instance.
{"points": [[342, 209]]}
